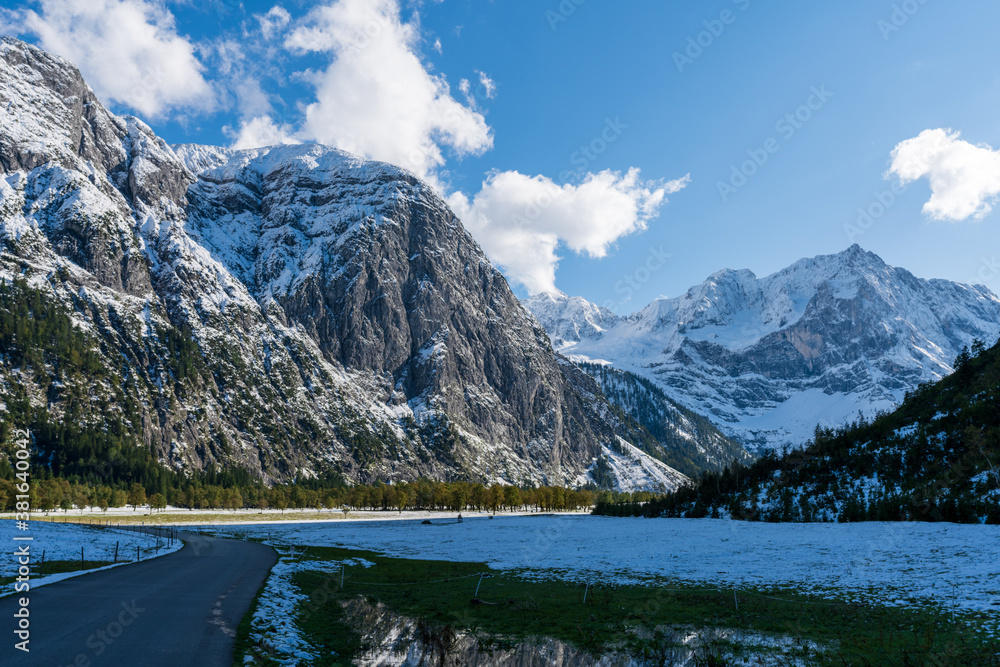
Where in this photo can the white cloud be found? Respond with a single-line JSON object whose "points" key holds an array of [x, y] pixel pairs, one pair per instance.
{"points": [[486, 90], [262, 131], [10, 22], [521, 220], [488, 85], [128, 50], [964, 178], [237, 66], [378, 98], [274, 22]]}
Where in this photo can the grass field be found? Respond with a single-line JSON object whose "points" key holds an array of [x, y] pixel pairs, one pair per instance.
{"points": [[58, 567], [514, 607], [190, 517], [175, 516]]}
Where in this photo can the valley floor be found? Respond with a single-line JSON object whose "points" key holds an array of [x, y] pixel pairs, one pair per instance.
{"points": [[177, 516], [590, 590], [897, 564], [586, 590]]}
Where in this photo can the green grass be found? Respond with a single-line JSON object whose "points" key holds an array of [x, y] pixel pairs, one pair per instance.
{"points": [[60, 566], [39, 570], [524, 607], [244, 645], [324, 621]]}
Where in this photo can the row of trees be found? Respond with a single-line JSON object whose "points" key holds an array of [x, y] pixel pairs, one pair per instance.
{"points": [[55, 494], [457, 496]]}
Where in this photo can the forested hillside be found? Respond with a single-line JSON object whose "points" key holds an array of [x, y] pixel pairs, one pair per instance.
{"points": [[49, 369], [935, 458], [688, 442]]}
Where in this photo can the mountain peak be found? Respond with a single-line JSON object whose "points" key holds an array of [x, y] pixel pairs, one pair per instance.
{"points": [[291, 310], [815, 342], [553, 295], [858, 255], [11, 45], [49, 114], [579, 318], [732, 275]]}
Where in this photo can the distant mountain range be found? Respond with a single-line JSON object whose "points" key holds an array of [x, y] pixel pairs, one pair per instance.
{"points": [[297, 311], [767, 359]]}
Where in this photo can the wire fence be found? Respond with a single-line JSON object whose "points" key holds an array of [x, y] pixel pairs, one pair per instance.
{"points": [[593, 585]]}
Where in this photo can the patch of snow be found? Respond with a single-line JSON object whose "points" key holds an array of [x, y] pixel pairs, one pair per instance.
{"points": [[278, 606], [635, 470], [64, 541]]}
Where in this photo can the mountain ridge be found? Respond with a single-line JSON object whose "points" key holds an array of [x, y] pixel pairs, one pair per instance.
{"points": [[932, 459], [769, 358], [290, 311]]}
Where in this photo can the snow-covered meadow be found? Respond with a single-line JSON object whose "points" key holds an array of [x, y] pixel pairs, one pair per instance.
{"points": [[59, 541], [273, 622], [888, 563]]}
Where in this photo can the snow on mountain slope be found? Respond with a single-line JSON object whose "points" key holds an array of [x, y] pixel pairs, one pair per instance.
{"points": [[290, 311], [685, 440], [767, 359], [573, 317], [634, 470]]}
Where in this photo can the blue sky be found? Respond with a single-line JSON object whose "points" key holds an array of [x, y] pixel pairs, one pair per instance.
{"points": [[595, 144]]}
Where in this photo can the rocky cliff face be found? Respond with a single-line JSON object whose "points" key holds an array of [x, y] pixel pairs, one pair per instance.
{"points": [[768, 359], [343, 318]]}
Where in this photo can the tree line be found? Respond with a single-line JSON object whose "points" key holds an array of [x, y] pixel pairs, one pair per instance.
{"points": [[55, 493]]}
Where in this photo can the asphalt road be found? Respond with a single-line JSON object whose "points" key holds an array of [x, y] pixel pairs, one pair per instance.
{"points": [[175, 610]]}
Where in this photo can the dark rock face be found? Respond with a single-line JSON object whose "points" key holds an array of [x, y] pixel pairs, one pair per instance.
{"points": [[343, 318], [375, 268], [837, 346]]}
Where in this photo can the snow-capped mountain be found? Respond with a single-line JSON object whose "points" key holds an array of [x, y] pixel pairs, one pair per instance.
{"points": [[931, 459], [343, 320], [572, 318], [770, 358]]}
